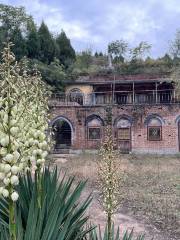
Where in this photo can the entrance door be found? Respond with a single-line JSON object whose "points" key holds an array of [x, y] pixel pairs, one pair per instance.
{"points": [[62, 135], [124, 140]]}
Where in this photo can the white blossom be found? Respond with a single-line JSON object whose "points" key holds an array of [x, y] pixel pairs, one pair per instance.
{"points": [[5, 193], [14, 130], [14, 169], [14, 196], [7, 168], [23, 142], [9, 157], [4, 141], [6, 181], [14, 180]]}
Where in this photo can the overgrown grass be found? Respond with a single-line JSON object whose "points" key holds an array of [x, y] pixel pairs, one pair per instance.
{"points": [[150, 187]]}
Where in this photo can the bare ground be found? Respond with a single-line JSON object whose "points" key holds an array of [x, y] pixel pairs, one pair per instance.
{"points": [[149, 194]]}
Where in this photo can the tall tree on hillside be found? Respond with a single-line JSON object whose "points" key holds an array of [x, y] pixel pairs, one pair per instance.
{"points": [[19, 47], [33, 44], [175, 46], [140, 51], [66, 53], [12, 18], [47, 44], [118, 49]]}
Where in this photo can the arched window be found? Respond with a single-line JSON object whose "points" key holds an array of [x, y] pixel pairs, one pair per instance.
{"points": [[75, 95], [154, 129], [94, 129], [123, 129]]}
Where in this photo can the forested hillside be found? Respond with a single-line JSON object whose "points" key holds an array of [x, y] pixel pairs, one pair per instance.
{"points": [[58, 62]]}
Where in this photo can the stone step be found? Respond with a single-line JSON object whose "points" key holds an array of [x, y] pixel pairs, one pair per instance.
{"points": [[62, 155]]}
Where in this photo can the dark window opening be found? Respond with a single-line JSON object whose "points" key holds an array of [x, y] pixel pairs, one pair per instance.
{"points": [[155, 133]]}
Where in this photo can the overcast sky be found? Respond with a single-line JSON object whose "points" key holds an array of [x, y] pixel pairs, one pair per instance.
{"points": [[94, 23]]}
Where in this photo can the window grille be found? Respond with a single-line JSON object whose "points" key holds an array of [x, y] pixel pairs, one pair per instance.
{"points": [[124, 134], [94, 133], [155, 133]]}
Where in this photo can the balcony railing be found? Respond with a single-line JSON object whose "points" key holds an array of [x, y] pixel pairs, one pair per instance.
{"points": [[147, 97]]}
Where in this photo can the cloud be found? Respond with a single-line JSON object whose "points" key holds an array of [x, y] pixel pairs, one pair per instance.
{"points": [[97, 22], [54, 18]]}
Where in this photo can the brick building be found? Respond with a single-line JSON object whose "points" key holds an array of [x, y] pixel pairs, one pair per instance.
{"points": [[145, 114]]}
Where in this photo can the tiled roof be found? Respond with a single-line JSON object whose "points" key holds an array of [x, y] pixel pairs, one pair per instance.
{"points": [[121, 78]]}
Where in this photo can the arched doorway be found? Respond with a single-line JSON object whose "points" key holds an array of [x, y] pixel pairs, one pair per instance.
{"points": [[123, 134], [62, 134]]}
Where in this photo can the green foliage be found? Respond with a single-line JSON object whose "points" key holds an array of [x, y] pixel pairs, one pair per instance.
{"points": [[13, 17], [175, 45], [140, 51], [19, 48], [60, 216], [118, 49], [13, 27], [84, 59], [33, 44], [65, 52], [47, 44], [54, 74], [98, 235]]}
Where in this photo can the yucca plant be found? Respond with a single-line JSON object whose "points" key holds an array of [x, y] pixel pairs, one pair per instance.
{"points": [[60, 215], [98, 235]]}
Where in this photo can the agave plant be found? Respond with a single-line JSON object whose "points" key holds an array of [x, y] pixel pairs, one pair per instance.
{"points": [[95, 234], [48, 209]]}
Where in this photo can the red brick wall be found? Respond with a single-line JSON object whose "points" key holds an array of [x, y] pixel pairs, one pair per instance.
{"points": [[169, 144]]}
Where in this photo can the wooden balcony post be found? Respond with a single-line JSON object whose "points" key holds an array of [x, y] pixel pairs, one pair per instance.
{"points": [[174, 96], [156, 93], [133, 94]]}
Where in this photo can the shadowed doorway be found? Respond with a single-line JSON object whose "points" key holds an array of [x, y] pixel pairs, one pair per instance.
{"points": [[62, 134]]}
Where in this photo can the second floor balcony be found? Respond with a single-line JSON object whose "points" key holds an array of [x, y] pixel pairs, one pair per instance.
{"points": [[145, 97]]}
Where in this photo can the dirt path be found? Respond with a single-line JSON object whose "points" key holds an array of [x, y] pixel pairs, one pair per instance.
{"points": [[123, 218]]}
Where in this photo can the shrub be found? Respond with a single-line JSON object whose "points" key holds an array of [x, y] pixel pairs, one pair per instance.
{"points": [[59, 216]]}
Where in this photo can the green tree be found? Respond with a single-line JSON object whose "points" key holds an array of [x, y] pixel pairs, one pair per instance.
{"points": [[19, 47], [118, 49], [33, 44], [140, 51], [13, 17], [53, 74], [96, 54], [175, 46], [66, 53], [167, 60], [47, 44]]}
